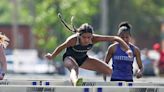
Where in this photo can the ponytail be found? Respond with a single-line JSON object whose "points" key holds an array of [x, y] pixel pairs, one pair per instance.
{"points": [[73, 29], [84, 28], [124, 27], [125, 24]]}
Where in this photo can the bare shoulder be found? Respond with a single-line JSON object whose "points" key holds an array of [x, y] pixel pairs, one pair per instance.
{"points": [[71, 40], [112, 47], [134, 46], [136, 49]]}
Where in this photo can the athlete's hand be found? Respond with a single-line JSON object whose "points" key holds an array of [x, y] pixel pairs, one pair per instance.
{"points": [[138, 74], [48, 56], [130, 53]]}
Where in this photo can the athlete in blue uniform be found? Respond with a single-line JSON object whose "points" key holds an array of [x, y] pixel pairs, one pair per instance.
{"points": [[123, 65], [77, 46]]}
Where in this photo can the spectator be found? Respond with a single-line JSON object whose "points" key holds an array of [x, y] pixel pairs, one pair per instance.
{"points": [[149, 60], [160, 64]]}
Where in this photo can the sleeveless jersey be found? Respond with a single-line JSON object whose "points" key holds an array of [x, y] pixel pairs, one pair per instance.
{"points": [[122, 64], [78, 52]]}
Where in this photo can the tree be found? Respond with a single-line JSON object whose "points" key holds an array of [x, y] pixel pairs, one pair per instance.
{"points": [[142, 14], [47, 27]]}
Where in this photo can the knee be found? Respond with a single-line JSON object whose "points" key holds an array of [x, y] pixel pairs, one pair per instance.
{"points": [[70, 65]]}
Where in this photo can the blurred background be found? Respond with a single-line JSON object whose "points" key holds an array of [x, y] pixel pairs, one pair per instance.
{"points": [[34, 29]]}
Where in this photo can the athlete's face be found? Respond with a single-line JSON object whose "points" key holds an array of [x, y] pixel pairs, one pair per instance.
{"points": [[125, 36], [86, 38]]}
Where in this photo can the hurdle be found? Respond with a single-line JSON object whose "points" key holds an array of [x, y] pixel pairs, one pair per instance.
{"points": [[85, 83], [23, 88], [35, 82], [66, 86]]}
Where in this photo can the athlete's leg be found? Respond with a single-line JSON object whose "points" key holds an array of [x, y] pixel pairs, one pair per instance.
{"points": [[96, 65], [72, 66]]}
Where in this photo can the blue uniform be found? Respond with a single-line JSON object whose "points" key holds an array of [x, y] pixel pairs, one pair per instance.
{"points": [[122, 65], [78, 52]]}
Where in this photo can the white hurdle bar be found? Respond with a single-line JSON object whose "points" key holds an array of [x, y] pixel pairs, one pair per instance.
{"points": [[17, 88], [68, 83]]}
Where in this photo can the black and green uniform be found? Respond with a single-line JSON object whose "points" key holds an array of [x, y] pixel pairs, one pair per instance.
{"points": [[78, 52]]}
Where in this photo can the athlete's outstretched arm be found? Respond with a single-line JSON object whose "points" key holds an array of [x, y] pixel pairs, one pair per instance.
{"points": [[100, 38], [139, 62], [62, 46]]}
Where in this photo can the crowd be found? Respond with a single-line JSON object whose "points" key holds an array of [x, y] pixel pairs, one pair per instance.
{"points": [[153, 61]]}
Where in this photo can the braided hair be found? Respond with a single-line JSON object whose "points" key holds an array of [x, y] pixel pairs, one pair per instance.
{"points": [[84, 28]]}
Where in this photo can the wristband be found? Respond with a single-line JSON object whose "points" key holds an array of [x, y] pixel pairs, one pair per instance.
{"points": [[127, 51]]}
